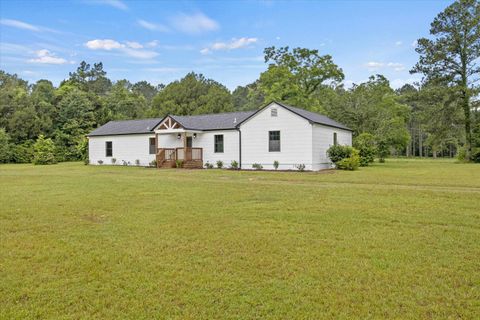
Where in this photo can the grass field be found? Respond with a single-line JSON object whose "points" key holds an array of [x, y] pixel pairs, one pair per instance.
{"points": [[398, 241]]}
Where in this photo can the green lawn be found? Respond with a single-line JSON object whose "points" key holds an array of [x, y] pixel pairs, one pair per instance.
{"points": [[399, 240]]}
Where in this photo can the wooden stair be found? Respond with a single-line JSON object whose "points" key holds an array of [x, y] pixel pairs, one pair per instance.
{"points": [[193, 164], [167, 164]]}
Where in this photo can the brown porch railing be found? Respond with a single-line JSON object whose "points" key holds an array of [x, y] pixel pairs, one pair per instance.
{"points": [[165, 154], [189, 154], [184, 154]]}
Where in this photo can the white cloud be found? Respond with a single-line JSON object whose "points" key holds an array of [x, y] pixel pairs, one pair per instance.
{"points": [[47, 57], [398, 43], [374, 65], [19, 24], [152, 26], [152, 44], [117, 4], [231, 45], [194, 24], [106, 44], [130, 48], [141, 54], [133, 45], [396, 66], [414, 43]]}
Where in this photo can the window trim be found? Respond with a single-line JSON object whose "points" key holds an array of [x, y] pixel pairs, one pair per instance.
{"points": [[150, 145], [279, 141], [215, 143], [106, 149]]}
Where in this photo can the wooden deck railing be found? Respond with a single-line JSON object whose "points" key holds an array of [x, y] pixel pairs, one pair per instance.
{"points": [[184, 154], [190, 154]]}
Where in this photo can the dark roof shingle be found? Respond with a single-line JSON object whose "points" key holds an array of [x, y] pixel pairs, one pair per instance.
{"points": [[126, 127], [216, 121], [314, 117]]}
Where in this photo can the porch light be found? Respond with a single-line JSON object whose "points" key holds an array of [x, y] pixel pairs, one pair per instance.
{"points": [[179, 136], [194, 136]]}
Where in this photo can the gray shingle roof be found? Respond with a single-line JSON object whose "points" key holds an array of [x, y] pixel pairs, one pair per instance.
{"points": [[314, 117], [218, 121], [126, 127], [213, 121]]}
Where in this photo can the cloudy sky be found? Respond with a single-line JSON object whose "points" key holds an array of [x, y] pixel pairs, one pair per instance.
{"points": [[161, 41]]}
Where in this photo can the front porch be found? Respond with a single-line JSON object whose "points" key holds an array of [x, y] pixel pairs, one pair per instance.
{"points": [[191, 158], [175, 144]]}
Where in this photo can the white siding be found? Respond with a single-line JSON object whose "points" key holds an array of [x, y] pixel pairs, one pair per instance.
{"points": [[125, 148], [170, 140], [295, 140], [322, 139], [206, 141]]}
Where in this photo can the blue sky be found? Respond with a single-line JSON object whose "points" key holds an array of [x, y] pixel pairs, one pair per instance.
{"points": [[161, 41]]}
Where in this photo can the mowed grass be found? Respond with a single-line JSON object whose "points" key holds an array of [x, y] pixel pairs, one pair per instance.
{"points": [[399, 240]]}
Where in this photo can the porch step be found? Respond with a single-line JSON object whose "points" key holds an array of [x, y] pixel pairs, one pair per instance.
{"points": [[167, 164], [194, 164]]}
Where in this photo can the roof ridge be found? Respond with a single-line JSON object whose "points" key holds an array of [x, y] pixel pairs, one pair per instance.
{"points": [[144, 119], [212, 114]]}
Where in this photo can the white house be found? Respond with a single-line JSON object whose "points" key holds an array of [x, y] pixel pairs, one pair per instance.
{"points": [[276, 132]]}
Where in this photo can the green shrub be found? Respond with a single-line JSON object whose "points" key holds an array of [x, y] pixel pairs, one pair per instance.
{"points": [[300, 167], [257, 166], [44, 151], [382, 150], [82, 149], [137, 162], [23, 153], [337, 152], [461, 154], [350, 163], [219, 164], [208, 165], [114, 160], [178, 163], [234, 164], [100, 162], [475, 157], [365, 144], [5, 147], [153, 163], [276, 164]]}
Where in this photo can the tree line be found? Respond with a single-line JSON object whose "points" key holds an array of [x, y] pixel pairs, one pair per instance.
{"points": [[438, 116]]}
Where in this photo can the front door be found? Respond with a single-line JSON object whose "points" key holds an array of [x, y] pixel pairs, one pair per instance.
{"points": [[189, 142]]}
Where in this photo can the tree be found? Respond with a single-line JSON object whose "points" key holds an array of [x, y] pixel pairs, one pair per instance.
{"points": [[365, 144], [248, 97], [294, 76], [76, 119], [451, 57], [145, 89], [44, 151], [5, 147], [194, 94], [372, 107], [123, 103], [91, 79]]}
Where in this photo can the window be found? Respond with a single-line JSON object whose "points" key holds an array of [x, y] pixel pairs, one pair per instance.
{"points": [[273, 141], [152, 146], [218, 143], [273, 112], [335, 141], [108, 148]]}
